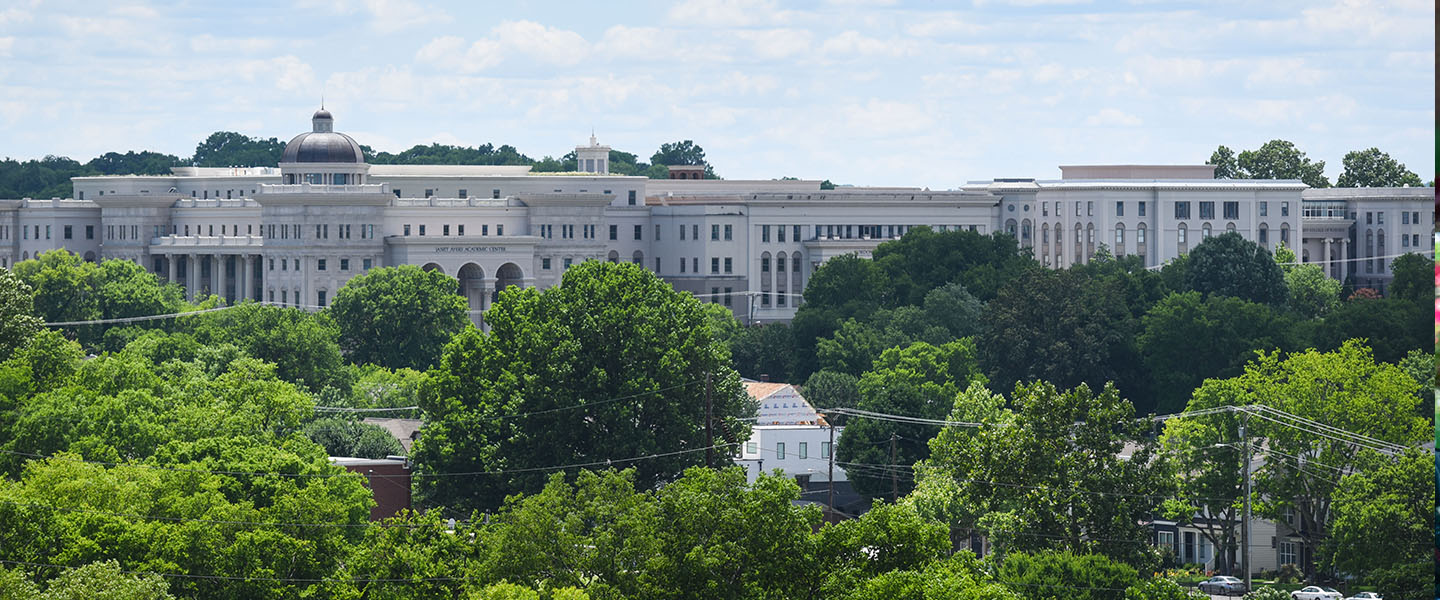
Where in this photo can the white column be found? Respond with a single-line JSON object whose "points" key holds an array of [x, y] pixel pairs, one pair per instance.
{"points": [[170, 264], [1326, 257], [247, 278], [192, 279], [217, 275], [1344, 258]]}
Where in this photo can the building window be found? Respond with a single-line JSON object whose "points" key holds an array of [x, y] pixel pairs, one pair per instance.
{"points": [[429, 193], [1264, 234], [824, 449], [657, 264], [1207, 209], [464, 193], [460, 229], [714, 264], [779, 450], [1284, 209], [715, 233], [614, 232], [804, 450], [90, 232], [407, 229], [632, 198], [568, 261], [344, 264], [1232, 210], [1380, 218], [714, 295], [639, 232], [795, 230], [365, 264], [765, 263], [1077, 208], [1141, 212], [545, 263], [728, 301], [422, 229], [729, 265], [1182, 210], [1119, 209], [1090, 208], [682, 264], [1287, 553], [1264, 209], [70, 232], [1119, 237], [1180, 235], [500, 229], [321, 297], [751, 448], [320, 265], [445, 229]]}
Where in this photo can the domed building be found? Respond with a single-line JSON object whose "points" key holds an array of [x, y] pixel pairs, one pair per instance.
{"points": [[323, 156]]}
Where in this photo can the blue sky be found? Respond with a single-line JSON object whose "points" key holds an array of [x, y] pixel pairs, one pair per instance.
{"points": [[865, 92]]}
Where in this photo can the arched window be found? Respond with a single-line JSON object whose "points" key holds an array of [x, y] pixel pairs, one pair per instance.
{"points": [[1229, 228], [1045, 234], [614, 257], [1285, 233], [1120, 239], [638, 258], [1181, 235], [1025, 232], [1204, 232], [1010, 227], [1264, 235]]}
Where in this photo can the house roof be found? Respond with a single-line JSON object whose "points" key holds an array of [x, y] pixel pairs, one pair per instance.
{"points": [[760, 390], [405, 430]]}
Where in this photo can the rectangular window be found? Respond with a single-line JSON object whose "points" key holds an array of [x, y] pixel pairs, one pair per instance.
{"points": [[728, 301], [715, 233], [500, 229], [1287, 553], [407, 229], [422, 229], [545, 263], [365, 264], [657, 264], [804, 450], [1119, 237], [715, 265], [568, 261], [461, 229], [1090, 208], [639, 232], [695, 264], [464, 193], [321, 297], [751, 448], [729, 264], [1207, 209], [780, 233], [1182, 210], [1284, 209], [614, 232], [824, 449], [1264, 209], [657, 233], [90, 232], [728, 232], [795, 229], [445, 229], [682, 233], [1119, 209], [284, 265], [780, 450], [1232, 210], [1044, 209], [1380, 218], [714, 295], [1415, 217], [47, 232], [765, 233], [1180, 235], [632, 198], [682, 264], [1077, 208], [70, 231], [1141, 212], [344, 264], [429, 193], [320, 265], [397, 192], [764, 264], [695, 232]]}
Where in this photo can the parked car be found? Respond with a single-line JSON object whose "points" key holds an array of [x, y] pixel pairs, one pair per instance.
{"points": [[1315, 592], [1221, 584], [1365, 596]]}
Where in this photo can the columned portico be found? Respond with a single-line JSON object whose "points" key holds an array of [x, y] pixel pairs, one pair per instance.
{"points": [[192, 278]]}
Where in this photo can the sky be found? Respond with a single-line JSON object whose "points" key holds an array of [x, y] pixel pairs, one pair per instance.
{"points": [[891, 93]]}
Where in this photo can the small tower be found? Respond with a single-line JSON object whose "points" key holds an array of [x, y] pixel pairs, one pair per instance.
{"points": [[593, 158]]}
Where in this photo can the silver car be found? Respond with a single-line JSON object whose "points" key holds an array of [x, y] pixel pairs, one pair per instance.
{"points": [[1365, 596], [1222, 584]]}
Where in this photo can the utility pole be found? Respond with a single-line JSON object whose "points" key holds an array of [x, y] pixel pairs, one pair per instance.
{"points": [[709, 431], [1245, 522], [894, 483], [831, 501]]}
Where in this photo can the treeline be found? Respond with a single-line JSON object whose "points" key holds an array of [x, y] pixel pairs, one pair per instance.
{"points": [[49, 177], [196, 446]]}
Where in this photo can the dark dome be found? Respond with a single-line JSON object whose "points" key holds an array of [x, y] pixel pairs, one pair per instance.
{"points": [[322, 114], [322, 147]]}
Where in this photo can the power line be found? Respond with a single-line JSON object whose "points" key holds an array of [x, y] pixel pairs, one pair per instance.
{"points": [[138, 319]]}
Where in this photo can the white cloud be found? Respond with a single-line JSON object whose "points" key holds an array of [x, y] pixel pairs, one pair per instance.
{"points": [[777, 43], [1111, 117], [386, 16], [1283, 72], [6, 43], [943, 25], [632, 43], [287, 73], [15, 16], [209, 43], [853, 43], [548, 45], [884, 118], [729, 13]]}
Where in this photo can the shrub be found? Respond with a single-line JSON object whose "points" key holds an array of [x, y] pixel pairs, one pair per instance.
{"points": [[1160, 588], [1267, 593], [1079, 576]]}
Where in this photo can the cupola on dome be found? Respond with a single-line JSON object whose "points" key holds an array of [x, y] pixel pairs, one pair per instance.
{"points": [[322, 144]]}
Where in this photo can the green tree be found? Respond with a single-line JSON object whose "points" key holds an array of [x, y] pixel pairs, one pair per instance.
{"points": [[398, 316], [1280, 159], [845, 287], [684, 152], [763, 350], [952, 307], [345, 437], [134, 163], [1382, 523], [855, 346], [1346, 389], [921, 381], [64, 286], [925, 260], [303, 346], [828, 389], [18, 322], [105, 581], [1062, 470], [1048, 575], [1160, 588], [1392, 327], [1414, 278], [1311, 294], [1373, 168], [230, 149], [1230, 265], [1226, 165], [1205, 454], [613, 341], [1055, 326], [1186, 339]]}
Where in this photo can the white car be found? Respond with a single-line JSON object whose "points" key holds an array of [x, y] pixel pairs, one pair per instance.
{"points": [[1365, 596], [1315, 592]]}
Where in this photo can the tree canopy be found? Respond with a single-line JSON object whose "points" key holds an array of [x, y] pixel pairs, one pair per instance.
{"points": [[398, 317], [1372, 168], [1276, 159], [1230, 265]]}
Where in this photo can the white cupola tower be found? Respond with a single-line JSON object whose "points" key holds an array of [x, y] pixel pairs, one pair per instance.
{"points": [[593, 158]]}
